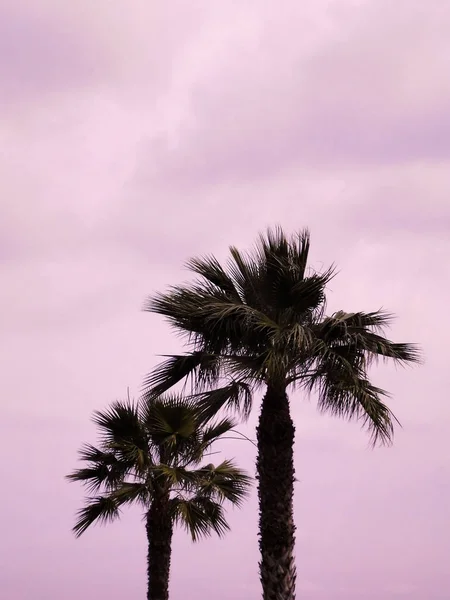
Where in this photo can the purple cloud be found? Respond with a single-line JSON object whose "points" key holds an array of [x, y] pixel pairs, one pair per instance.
{"points": [[133, 139], [373, 92], [40, 54]]}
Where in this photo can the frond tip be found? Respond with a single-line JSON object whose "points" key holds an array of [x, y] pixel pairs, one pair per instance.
{"points": [[101, 509], [359, 400]]}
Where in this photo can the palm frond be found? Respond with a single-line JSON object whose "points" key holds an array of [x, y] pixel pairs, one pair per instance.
{"points": [[172, 423], [121, 432], [364, 331], [210, 269], [176, 476], [212, 432], [93, 478], [355, 398], [104, 469], [245, 274], [307, 296], [90, 453], [240, 328], [184, 307], [295, 337], [249, 369], [299, 249], [208, 434], [200, 516], [202, 368], [223, 482], [236, 396], [289, 293], [341, 324], [119, 423], [169, 415], [101, 509], [131, 492]]}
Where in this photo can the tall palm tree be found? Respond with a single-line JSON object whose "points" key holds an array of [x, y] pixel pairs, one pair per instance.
{"points": [[150, 454], [261, 322]]}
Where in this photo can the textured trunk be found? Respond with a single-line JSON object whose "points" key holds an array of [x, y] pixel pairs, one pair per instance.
{"points": [[275, 467], [159, 537]]}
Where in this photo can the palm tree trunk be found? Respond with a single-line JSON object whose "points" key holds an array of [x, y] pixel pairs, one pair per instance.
{"points": [[159, 536], [275, 468]]}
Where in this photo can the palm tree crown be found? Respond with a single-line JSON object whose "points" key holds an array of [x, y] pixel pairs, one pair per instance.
{"points": [[156, 448], [262, 320]]}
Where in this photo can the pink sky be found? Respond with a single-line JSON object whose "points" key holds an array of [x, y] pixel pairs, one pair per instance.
{"points": [[134, 136]]}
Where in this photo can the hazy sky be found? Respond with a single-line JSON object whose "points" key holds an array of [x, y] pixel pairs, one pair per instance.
{"points": [[134, 135]]}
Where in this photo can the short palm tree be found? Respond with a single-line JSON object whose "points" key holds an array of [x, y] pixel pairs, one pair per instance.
{"points": [[150, 454], [261, 322]]}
